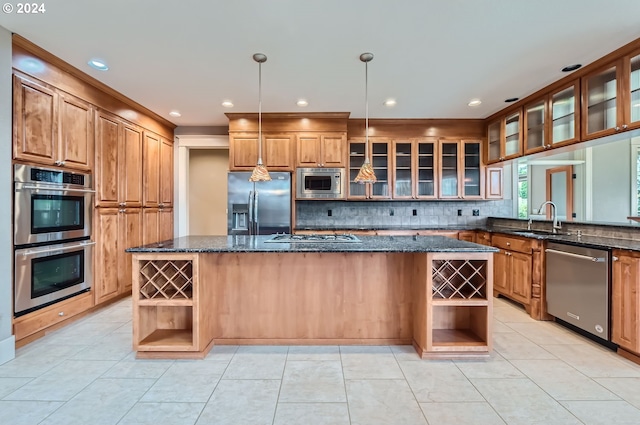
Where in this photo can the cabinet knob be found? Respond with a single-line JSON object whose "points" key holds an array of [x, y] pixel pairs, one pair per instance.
{"points": [[121, 210], [508, 243], [614, 258], [122, 204], [617, 128], [63, 162], [624, 126], [58, 162], [61, 313]]}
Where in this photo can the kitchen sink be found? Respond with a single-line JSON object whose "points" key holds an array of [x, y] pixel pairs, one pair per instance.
{"points": [[538, 233]]}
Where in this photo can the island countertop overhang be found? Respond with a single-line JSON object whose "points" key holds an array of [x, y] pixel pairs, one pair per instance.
{"points": [[244, 243]]}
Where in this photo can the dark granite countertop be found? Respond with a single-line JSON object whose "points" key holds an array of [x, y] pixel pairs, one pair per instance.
{"points": [[373, 228], [257, 244], [571, 239]]}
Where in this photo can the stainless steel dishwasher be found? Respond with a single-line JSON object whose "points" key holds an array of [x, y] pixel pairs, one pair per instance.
{"points": [[578, 286]]}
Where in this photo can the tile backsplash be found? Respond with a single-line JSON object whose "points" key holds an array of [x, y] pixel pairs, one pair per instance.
{"points": [[409, 214]]}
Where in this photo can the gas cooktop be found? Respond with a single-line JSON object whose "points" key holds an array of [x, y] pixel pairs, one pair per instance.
{"points": [[286, 238]]}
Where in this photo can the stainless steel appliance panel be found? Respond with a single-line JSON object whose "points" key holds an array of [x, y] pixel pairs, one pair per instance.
{"points": [[50, 273], [577, 281], [51, 205], [321, 183], [261, 208]]}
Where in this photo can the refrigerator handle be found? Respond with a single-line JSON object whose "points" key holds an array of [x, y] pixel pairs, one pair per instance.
{"points": [[250, 203], [255, 212]]}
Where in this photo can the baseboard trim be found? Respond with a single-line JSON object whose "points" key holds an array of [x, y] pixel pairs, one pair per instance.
{"points": [[7, 349]]}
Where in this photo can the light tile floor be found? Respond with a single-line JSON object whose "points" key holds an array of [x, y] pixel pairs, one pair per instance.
{"points": [[539, 373]]}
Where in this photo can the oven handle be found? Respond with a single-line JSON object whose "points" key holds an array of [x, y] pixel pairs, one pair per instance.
{"points": [[66, 248], [57, 189]]}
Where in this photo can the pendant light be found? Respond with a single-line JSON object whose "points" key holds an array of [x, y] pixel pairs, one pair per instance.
{"points": [[260, 173], [366, 174]]}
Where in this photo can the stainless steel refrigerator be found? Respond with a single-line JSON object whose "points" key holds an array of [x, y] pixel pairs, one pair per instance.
{"points": [[261, 208]]}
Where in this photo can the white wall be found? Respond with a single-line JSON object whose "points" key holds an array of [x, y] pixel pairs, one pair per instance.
{"points": [[611, 182], [183, 145], [7, 341], [208, 191]]}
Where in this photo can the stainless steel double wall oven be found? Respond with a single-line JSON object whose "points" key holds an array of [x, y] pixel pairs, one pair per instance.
{"points": [[52, 236]]}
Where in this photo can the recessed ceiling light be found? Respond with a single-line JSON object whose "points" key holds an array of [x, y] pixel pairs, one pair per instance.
{"points": [[511, 99], [390, 102], [175, 114], [474, 102], [570, 68], [302, 103], [227, 104], [98, 64]]}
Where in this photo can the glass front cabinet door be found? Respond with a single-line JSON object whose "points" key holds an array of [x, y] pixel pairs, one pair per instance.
{"points": [[565, 115], [504, 138], [535, 126], [379, 154], [634, 91], [472, 177]]}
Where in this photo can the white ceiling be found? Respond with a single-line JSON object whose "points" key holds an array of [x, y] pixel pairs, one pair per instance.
{"points": [[433, 56]]}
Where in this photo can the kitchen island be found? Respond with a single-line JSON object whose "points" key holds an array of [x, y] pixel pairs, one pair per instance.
{"points": [[430, 291]]}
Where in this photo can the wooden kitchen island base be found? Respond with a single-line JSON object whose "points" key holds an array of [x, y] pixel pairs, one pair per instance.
{"points": [[438, 301]]}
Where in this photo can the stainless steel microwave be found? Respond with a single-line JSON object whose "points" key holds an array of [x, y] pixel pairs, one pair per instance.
{"points": [[321, 183]]}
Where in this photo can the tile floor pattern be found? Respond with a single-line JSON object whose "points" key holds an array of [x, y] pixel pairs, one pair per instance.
{"points": [[539, 373]]}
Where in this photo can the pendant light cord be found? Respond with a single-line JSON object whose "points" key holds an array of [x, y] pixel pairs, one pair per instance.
{"points": [[366, 111], [260, 113]]}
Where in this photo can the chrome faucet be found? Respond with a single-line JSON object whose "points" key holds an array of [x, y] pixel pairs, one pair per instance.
{"points": [[554, 216]]}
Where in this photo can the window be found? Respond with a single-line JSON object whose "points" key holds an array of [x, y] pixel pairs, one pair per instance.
{"points": [[523, 192]]}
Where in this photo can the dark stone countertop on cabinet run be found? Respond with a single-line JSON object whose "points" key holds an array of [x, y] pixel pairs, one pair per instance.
{"points": [[390, 244]]}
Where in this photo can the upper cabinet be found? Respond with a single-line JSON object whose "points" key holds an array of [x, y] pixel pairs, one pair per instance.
{"points": [[504, 138], [277, 151], [460, 169], [414, 168], [553, 120], [564, 115], [379, 153], [611, 98], [157, 171], [321, 150], [51, 127], [118, 173]]}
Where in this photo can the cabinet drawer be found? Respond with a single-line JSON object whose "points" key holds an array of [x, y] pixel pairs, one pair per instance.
{"points": [[49, 316], [483, 238], [512, 244]]}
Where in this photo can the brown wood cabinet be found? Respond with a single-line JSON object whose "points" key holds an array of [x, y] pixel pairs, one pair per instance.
{"points": [[625, 305], [118, 174], [158, 225], [610, 97], [151, 170], [513, 268], [494, 182], [51, 127], [504, 138], [115, 230], [379, 151], [414, 168], [52, 315], [278, 151], [166, 174], [321, 150]]}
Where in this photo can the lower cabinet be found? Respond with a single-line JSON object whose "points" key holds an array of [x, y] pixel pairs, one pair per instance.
{"points": [[514, 269], [47, 317], [115, 230], [625, 305]]}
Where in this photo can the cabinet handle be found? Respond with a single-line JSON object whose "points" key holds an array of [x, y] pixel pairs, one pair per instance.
{"points": [[617, 128], [508, 243], [624, 126], [121, 210], [614, 258], [322, 165], [61, 313]]}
